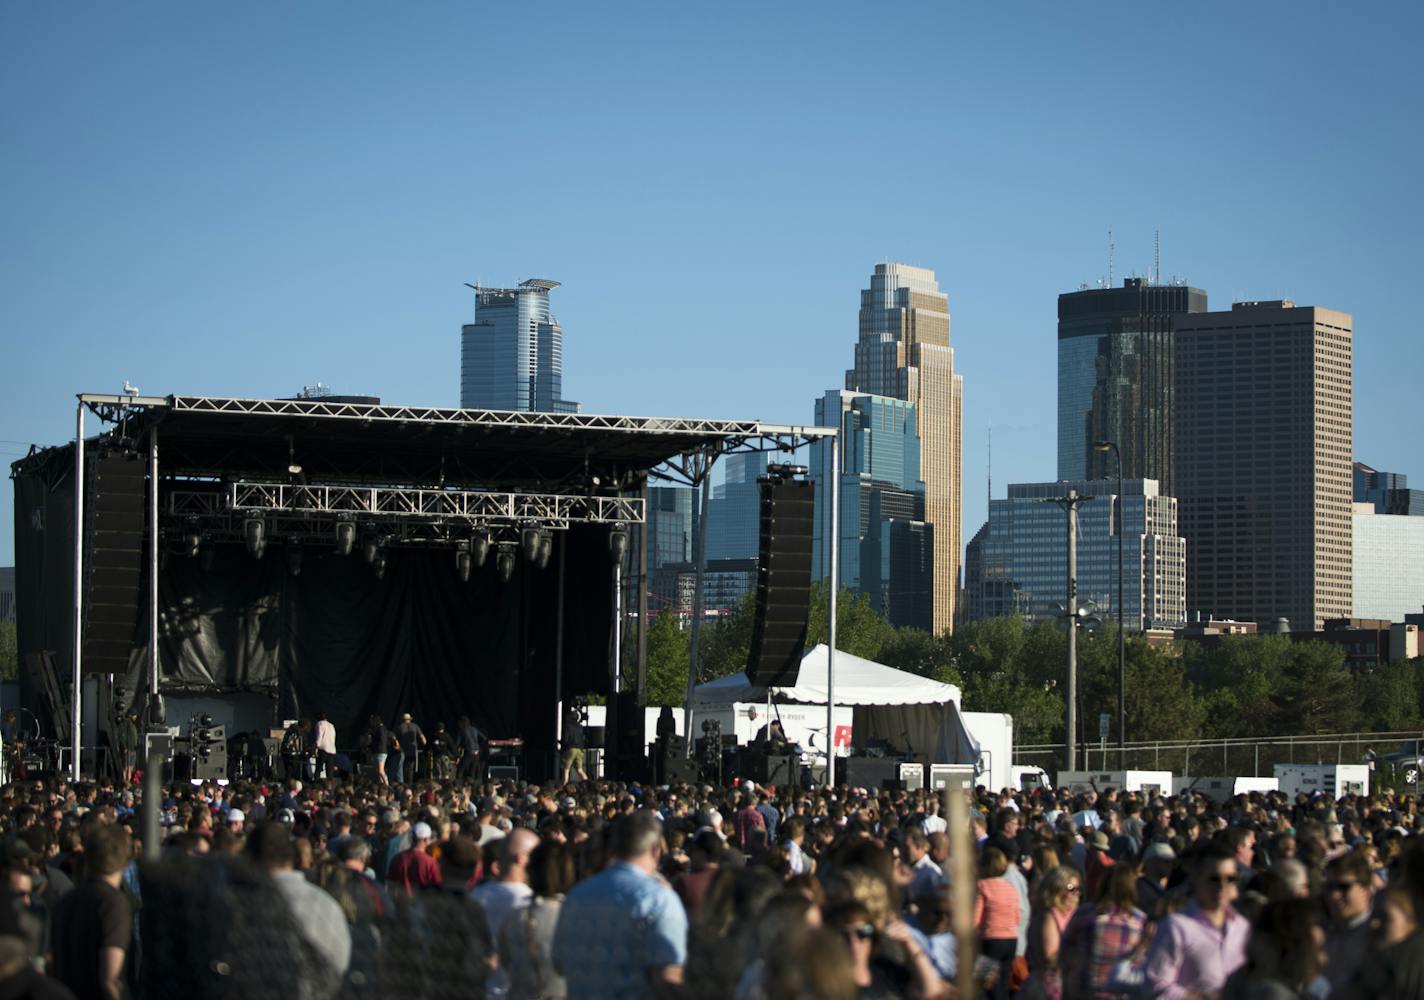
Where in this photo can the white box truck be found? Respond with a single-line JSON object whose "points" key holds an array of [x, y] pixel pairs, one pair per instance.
{"points": [[1147, 782], [994, 732], [1336, 780]]}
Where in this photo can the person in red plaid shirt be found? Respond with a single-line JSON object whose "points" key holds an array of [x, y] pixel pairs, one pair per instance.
{"points": [[1101, 936]]}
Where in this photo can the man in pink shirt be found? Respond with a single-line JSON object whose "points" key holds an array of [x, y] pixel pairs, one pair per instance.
{"points": [[1195, 950]]}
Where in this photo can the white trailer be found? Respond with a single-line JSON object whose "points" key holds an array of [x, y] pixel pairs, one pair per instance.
{"points": [[1147, 782], [994, 732], [1220, 789], [1336, 780]]}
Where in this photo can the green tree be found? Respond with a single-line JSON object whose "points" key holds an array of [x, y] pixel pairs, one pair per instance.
{"points": [[9, 652], [1390, 697], [1010, 666], [725, 645], [1162, 701], [919, 652], [668, 658], [1317, 693], [860, 630], [1238, 678]]}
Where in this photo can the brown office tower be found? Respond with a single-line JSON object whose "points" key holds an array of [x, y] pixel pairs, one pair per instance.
{"points": [[1264, 431], [903, 352]]}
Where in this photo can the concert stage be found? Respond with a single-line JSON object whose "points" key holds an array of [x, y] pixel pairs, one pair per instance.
{"points": [[339, 557]]}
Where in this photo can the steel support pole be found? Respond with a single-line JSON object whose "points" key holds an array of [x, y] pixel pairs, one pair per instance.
{"points": [[76, 696], [1121, 635], [1071, 737], [617, 626], [835, 584], [699, 572], [559, 652], [643, 602], [152, 570]]}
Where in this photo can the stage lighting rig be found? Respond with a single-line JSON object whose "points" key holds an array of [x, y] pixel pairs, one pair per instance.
{"points": [[479, 546], [618, 541], [781, 470], [504, 563], [529, 538], [463, 562], [345, 537], [546, 548], [254, 535]]}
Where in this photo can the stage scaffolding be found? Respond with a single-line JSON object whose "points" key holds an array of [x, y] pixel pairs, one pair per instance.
{"points": [[418, 476]]}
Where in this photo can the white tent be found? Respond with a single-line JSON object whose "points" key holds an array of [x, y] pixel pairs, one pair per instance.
{"points": [[918, 715], [858, 682]]}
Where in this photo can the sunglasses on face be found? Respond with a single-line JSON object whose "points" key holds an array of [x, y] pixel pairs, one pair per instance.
{"points": [[1222, 879], [1345, 886], [863, 932], [1070, 888]]}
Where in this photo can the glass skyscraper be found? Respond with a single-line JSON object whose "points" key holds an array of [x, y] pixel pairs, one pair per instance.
{"points": [[886, 548], [1022, 562], [734, 509], [512, 355], [903, 353], [1116, 374]]}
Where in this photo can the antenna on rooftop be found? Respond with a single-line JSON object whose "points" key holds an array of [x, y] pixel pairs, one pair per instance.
{"points": [[1157, 258], [1110, 257]]}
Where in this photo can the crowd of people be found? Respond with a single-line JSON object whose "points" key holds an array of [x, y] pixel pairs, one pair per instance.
{"points": [[363, 887]]}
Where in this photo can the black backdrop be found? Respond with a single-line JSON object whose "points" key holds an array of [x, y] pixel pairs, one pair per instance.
{"points": [[335, 639]]}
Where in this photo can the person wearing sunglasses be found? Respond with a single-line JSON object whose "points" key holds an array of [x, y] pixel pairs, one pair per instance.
{"points": [[1194, 951], [1349, 896]]}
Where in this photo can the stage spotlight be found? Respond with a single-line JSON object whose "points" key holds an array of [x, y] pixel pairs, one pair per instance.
{"points": [[254, 535], [546, 548], [157, 712], [371, 548], [463, 564], [479, 546], [193, 540], [206, 556], [345, 537], [617, 542], [529, 537], [504, 562], [378, 564], [294, 558]]}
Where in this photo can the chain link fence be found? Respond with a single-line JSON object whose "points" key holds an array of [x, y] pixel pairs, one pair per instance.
{"points": [[1246, 757]]}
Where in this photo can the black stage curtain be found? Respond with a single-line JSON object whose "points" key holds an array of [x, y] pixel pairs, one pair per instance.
{"points": [[335, 639]]}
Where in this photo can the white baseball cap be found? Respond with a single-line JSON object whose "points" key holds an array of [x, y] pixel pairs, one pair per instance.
{"points": [[236, 816], [421, 831]]}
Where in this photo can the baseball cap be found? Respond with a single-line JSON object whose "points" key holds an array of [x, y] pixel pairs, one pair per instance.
{"points": [[1159, 852], [236, 816], [421, 831]]}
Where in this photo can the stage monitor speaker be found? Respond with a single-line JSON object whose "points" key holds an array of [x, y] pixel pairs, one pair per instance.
{"points": [[870, 772], [783, 595], [628, 753], [113, 559], [504, 772]]}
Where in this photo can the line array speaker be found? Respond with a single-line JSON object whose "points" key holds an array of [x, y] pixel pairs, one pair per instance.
{"points": [[783, 596], [113, 560]]}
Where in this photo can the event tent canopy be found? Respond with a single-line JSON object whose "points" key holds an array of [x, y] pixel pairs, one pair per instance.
{"points": [[858, 682]]}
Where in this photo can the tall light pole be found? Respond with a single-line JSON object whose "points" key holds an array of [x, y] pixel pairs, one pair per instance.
{"points": [[1070, 505], [1121, 637]]}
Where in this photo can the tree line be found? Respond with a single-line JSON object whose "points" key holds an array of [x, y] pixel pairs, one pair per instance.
{"points": [[1241, 686]]}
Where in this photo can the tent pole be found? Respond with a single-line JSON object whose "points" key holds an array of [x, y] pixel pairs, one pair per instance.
{"points": [[76, 697], [835, 545], [699, 571]]}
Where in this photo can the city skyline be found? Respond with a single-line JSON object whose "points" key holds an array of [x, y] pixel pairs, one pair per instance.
{"points": [[266, 211]]}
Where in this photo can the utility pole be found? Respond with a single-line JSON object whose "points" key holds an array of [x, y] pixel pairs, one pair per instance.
{"points": [[1070, 505]]}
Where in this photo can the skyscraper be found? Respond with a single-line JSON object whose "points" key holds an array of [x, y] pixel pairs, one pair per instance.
{"points": [[886, 548], [1023, 557], [734, 509], [1115, 378], [903, 352], [672, 527], [1264, 425], [512, 355]]}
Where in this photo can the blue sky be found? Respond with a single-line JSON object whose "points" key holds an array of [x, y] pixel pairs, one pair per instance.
{"points": [[239, 199]]}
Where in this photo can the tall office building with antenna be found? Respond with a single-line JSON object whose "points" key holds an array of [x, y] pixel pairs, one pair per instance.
{"points": [[512, 355], [1117, 376]]}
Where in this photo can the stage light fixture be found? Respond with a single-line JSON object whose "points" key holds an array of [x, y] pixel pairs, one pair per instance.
{"points": [[504, 562], [463, 564], [294, 558], [254, 535], [371, 548], [192, 540], [345, 537], [479, 546], [529, 538], [206, 556], [546, 548], [378, 564], [618, 542]]}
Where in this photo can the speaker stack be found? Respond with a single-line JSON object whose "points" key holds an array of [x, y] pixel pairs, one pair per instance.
{"points": [[208, 745], [113, 562], [628, 755], [783, 596]]}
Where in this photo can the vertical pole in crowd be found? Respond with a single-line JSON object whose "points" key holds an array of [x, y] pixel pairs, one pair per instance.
{"points": [[705, 463], [834, 481], [1071, 735], [152, 574], [76, 697], [617, 624], [961, 881], [643, 601], [152, 802], [559, 652]]}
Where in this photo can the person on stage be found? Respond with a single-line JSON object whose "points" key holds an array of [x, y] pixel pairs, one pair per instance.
{"points": [[293, 751], [126, 743], [411, 740], [325, 746], [380, 747], [574, 743], [469, 746], [441, 752]]}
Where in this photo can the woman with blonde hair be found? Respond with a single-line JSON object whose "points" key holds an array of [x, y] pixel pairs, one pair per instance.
{"points": [[1057, 894]]}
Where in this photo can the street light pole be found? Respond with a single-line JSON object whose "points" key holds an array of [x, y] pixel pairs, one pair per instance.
{"points": [[1121, 636], [1070, 505]]}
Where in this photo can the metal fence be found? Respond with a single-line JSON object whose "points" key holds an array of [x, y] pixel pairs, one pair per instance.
{"points": [[1236, 758]]}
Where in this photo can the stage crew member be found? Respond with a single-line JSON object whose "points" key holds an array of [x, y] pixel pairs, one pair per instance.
{"points": [[469, 745]]}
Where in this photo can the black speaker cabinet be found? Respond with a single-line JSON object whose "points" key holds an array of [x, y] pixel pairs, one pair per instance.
{"points": [[870, 772], [113, 559], [783, 595]]}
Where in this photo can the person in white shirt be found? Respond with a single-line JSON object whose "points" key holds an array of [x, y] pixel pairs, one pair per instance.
{"points": [[509, 893], [926, 877], [325, 744], [933, 821]]}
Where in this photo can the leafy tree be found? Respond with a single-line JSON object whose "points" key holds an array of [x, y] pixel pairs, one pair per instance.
{"points": [[1317, 693], [1005, 666], [9, 652], [919, 652], [668, 651], [724, 646], [860, 630], [1238, 678], [1390, 697]]}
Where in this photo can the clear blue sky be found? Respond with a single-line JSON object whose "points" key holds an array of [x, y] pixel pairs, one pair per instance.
{"points": [[243, 198]]}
